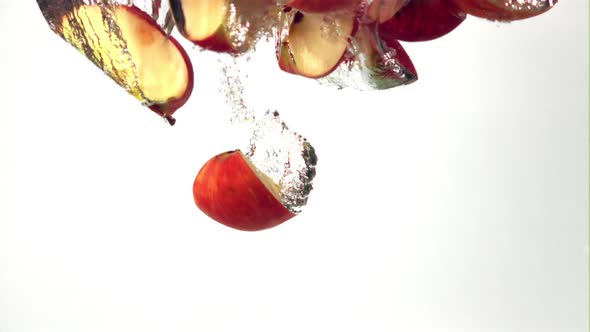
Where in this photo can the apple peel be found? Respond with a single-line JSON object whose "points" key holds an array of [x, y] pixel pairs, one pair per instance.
{"points": [[232, 191]]}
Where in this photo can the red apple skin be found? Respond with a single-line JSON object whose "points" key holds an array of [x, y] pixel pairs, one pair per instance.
{"points": [[217, 43], [220, 40], [496, 10], [228, 191], [323, 6], [422, 20], [401, 55]]}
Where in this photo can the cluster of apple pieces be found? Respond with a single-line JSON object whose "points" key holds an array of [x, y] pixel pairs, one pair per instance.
{"points": [[314, 37], [133, 46]]}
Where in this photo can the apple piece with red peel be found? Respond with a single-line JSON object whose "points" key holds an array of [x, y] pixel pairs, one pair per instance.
{"points": [[322, 6], [131, 48], [422, 20], [214, 24], [403, 60], [230, 190], [382, 10], [315, 44], [203, 22], [385, 62], [505, 10]]}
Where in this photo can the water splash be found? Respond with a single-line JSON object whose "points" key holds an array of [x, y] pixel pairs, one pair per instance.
{"points": [[284, 156], [276, 150]]}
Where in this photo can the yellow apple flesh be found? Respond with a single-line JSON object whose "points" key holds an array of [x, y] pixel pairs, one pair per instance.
{"points": [[315, 44], [220, 25], [136, 54]]}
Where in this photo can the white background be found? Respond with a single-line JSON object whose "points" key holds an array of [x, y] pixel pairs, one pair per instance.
{"points": [[459, 203]]}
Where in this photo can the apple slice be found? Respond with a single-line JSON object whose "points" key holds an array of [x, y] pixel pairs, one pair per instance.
{"points": [[422, 20], [315, 44], [505, 10], [131, 48], [203, 22], [385, 62], [322, 6], [232, 191], [220, 25]]}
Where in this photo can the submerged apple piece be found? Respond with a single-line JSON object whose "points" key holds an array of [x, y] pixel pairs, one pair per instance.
{"points": [[226, 26], [505, 10], [322, 6], [232, 191], [202, 22], [315, 44], [130, 47], [422, 20], [384, 60], [262, 188], [372, 63]]}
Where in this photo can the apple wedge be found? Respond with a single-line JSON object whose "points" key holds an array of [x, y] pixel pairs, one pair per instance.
{"points": [[132, 49], [220, 25], [203, 22], [232, 191], [422, 20], [384, 62], [315, 44]]}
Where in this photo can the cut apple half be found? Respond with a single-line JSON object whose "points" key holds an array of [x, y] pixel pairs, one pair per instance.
{"points": [[132, 49], [232, 191], [315, 44]]}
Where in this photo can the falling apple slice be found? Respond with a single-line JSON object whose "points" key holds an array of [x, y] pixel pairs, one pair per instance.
{"points": [[232, 191], [422, 20], [505, 10], [315, 44], [131, 48], [220, 25], [263, 187], [372, 63], [202, 22], [385, 62]]}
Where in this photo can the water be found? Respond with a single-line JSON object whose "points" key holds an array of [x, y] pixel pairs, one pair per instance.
{"points": [[528, 5], [284, 156], [276, 150]]}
